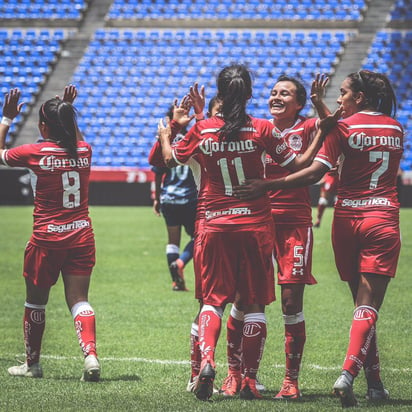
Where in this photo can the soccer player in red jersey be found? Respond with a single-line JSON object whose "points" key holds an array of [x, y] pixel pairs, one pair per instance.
{"points": [[62, 239], [365, 230], [238, 237], [292, 216]]}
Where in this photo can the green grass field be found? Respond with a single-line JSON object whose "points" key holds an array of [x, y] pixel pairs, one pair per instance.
{"points": [[143, 328]]}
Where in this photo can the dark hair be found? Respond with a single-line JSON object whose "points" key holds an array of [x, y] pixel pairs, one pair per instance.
{"points": [[234, 86], [169, 114], [61, 118], [377, 89], [301, 95], [212, 102]]}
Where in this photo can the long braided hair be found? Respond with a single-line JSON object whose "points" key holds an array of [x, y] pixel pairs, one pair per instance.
{"points": [[234, 89], [61, 118], [377, 89]]}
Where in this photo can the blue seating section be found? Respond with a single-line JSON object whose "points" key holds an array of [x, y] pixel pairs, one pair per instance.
{"points": [[402, 11], [26, 60], [42, 9], [346, 10], [128, 79], [391, 53]]}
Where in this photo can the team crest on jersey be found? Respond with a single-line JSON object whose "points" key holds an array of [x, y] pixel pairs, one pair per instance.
{"points": [[295, 142]]}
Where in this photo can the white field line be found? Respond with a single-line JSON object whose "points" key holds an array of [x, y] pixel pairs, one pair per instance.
{"points": [[186, 362]]}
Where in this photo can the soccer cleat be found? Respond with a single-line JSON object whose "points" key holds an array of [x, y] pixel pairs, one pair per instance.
{"points": [[289, 390], [176, 270], [91, 372], [343, 389], [377, 393], [191, 385], [231, 385], [32, 371], [248, 389], [204, 387]]}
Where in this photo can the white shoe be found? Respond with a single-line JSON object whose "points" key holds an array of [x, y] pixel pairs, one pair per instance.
{"points": [[91, 371], [343, 389], [192, 384], [259, 386], [377, 394], [33, 371]]}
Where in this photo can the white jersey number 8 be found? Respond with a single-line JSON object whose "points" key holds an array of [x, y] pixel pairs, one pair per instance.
{"points": [[71, 187]]}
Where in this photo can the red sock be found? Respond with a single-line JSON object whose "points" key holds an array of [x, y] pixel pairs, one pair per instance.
{"points": [[360, 337], [295, 338], [254, 337], [34, 323], [234, 340], [210, 322], [372, 365], [195, 355], [85, 324]]}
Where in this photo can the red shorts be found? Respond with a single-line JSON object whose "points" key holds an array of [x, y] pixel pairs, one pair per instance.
{"points": [[238, 261], [293, 247], [365, 245], [43, 266]]}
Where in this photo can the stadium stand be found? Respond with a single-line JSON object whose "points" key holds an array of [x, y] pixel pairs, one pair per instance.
{"points": [[254, 10], [391, 52], [42, 9], [28, 57], [131, 58], [133, 76]]}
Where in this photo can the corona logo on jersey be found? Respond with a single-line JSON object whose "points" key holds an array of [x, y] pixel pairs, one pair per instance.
{"points": [[251, 329], [210, 146], [52, 162], [359, 141]]}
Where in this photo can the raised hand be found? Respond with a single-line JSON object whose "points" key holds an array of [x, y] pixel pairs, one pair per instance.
{"points": [[329, 122], [11, 106], [198, 98], [70, 93], [181, 111], [318, 89]]}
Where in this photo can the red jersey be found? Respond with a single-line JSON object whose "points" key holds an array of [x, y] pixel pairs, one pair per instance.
{"points": [[292, 206], [372, 145], [60, 187], [225, 164]]}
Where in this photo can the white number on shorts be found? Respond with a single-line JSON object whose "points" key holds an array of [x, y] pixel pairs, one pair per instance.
{"points": [[374, 157], [299, 261], [237, 162], [71, 187]]}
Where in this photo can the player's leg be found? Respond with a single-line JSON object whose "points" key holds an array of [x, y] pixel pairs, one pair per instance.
{"points": [[234, 328], [34, 323], [371, 292], [253, 342], [76, 275], [295, 338], [210, 321], [41, 271], [322, 205], [195, 354]]}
